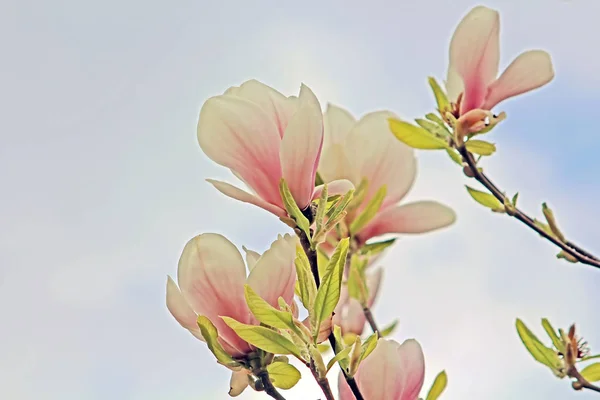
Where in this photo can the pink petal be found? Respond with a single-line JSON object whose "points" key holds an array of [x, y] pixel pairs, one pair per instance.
{"points": [[279, 107], [528, 71], [211, 275], [417, 217], [412, 370], [337, 123], [475, 54], [301, 147], [251, 258], [345, 392], [373, 283], [335, 164], [381, 158], [180, 308], [353, 318], [238, 134], [274, 274], [339, 187], [239, 194], [238, 382], [378, 375], [454, 84]]}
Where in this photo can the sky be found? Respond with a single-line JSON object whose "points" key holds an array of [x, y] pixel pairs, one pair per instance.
{"points": [[103, 184]]}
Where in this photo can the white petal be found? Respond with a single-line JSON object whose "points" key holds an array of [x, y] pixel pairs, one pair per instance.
{"points": [[251, 258], [239, 194], [238, 382], [337, 123], [339, 187], [180, 308]]}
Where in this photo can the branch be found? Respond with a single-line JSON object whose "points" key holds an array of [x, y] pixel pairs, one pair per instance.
{"points": [[568, 247], [581, 382], [371, 321], [268, 387], [311, 254], [322, 382]]}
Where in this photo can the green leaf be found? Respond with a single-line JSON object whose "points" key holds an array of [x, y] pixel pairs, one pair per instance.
{"points": [[328, 294], [514, 199], [590, 357], [433, 128], [210, 334], [263, 338], [543, 227], [540, 353], [370, 210], [306, 282], [342, 355], [415, 136], [321, 208], [292, 207], [439, 384], [485, 199], [267, 314], [433, 117], [318, 180], [283, 375], [388, 330], [339, 206], [322, 263], [374, 248], [440, 96], [454, 156], [552, 334], [337, 334], [552, 222], [368, 346], [591, 373], [480, 147]]}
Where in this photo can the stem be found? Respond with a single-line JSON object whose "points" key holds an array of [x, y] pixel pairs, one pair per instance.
{"points": [[311, 254], [323, 383], [263, 376], [371, 321], [581, 381], [569, 248]]}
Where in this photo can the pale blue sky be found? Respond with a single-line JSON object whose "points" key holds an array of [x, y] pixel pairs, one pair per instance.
{"points": [[103, 183]]}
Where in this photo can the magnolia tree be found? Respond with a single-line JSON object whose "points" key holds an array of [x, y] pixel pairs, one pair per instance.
{"points": [[338, 183]]}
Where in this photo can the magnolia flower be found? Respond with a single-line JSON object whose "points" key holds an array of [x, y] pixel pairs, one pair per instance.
{"points": [[392, 372], [211, 277], [349, 313], [474, 59], [263, 136], [366, 149]]}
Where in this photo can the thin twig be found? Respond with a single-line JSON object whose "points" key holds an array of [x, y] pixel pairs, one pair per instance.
{"points": [[314, 266], [581, 382], [269, 389], [371, 321], [574, 251]]}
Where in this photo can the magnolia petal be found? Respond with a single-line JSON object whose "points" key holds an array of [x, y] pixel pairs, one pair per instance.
{"points": [[337, 123], [417, 217], [378, 375], [279, 107], [335, 164], [373, 283], [339, 187], [412, 370], [251, 258], [301, 147], [528, 71], [475, 54], [353, 318], [211, 275], [238, 134], [454, 84], [180, 308], [238, 194], [381, 158], [344, 390], [274, 274], [238, 382]]}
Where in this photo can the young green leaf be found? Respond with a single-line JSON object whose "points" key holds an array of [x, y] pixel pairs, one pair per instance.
{"points": [[328, 293], [586, 358], [357, 281], [355, 356], [359, 195], [340, 205], [374, 248], [592, 372], [263, 338], [306, 284], [415, 136], [433, 128], [318, 179], [342, 355], [540, 353], [440, 97], [454, 156], [553, 336], [267, 314], [439, 384], [543, 227], [552, 222], [321, 208], [210, 334], [388, 330], [370, 210], [480, 147], [485, 199], [368, 346], [292, 207], [514, 199], [337, 334], [434, 118], [283, 375]]}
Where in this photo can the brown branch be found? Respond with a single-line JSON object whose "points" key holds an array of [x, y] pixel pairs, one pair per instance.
{"points": [[311, 254], [371, 321], [569, 248], [322, 382], [581, 382], [267, 385]]}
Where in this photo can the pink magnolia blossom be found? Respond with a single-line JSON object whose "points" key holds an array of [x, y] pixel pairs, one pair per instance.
{"points": [[211, 277], [392, 371], [349, 313], [474, 58], [366, 149], [263, 136]]}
